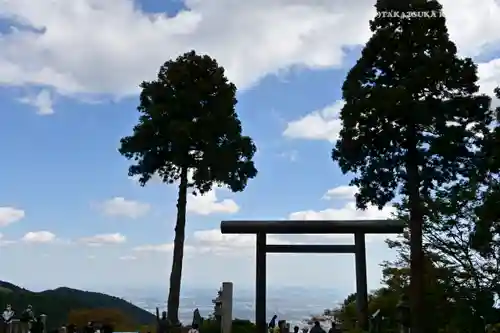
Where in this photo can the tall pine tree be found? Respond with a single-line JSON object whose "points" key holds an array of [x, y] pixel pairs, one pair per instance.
{"points": [[188, 123], [411, 118]]}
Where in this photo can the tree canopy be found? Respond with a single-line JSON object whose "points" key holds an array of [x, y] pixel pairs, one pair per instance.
{"points": [[462, 264], [188, 131], [413, 121], [188, 121]]}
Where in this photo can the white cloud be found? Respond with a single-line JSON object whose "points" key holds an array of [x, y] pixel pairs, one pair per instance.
{"points": [[205, 204], [120, 207], [472, 24], [489, 74], [114, 45], [209, 204], [166, 247], [155, 179], [39, 237], [473, 38], [9, 215], [319, 125], [341, 193], [347, 211], [42, 102], [128, 258], [213, 241], [104, 239], [325, 124]]}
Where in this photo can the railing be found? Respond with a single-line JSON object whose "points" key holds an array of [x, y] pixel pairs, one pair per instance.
{"points": [[16, 327]]}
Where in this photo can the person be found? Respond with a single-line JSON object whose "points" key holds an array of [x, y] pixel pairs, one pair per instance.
{"points": [[107, 328], [194, 328], [277, 328], [317, 328], [37, 326], [197, 318], [334, 328], [89, 328], [296, 329], [7, 316], [71, 328], [282, 328], [163, 323], [272, 324], [27, 318]]}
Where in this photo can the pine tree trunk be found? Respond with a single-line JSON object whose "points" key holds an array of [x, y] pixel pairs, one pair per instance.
{"points": [[176, 273], [416, 253]]}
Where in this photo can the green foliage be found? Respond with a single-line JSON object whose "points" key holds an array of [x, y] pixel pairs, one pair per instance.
{"points": [[449, 315], [188, 124], [188, 120], [409, 93], [413, 121], [468, 262], [383, 299], [58, 303], [461, 282], [488, 214], [239, 326]]}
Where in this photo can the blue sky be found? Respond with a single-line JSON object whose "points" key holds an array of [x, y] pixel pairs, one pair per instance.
{"points": [[69, 73]]}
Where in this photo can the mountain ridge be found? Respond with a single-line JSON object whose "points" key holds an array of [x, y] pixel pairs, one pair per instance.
{"points": [[59, 302]]}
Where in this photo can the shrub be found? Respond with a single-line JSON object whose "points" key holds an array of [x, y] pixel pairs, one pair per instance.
{"points": [[239, 326]]}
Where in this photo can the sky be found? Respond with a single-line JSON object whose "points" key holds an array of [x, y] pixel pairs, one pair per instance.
{"points": [[69, 76]]}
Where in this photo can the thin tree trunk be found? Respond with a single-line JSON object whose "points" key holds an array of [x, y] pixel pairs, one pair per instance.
{"points": [[176, 273], [417, 305]]}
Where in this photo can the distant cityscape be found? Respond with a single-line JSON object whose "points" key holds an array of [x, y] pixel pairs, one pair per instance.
{"points": [[293, 304]]}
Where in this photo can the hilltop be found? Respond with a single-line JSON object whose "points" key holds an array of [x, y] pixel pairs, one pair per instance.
{"points": [[57, 303]]}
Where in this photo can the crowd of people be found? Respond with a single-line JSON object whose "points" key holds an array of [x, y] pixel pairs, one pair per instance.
{"points": [[282, 327], [29, 322]]}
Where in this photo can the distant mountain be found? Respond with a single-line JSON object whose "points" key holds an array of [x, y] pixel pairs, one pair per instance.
{"points": [[57, 303]]}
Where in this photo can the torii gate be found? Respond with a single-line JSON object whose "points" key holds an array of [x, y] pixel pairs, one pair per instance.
{"points": [[357, 227]]}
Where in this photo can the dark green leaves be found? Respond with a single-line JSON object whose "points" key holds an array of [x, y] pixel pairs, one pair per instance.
{"points": [[409, 90], [188, 120], [413, 124]]}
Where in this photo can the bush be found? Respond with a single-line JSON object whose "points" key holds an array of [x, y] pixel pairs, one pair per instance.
{"points": [[239, 326]]}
